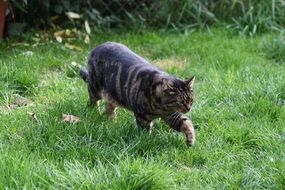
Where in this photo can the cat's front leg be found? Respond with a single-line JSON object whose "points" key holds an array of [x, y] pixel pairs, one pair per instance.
{"points": [[144, 123], [182, 123], [188, 129]]}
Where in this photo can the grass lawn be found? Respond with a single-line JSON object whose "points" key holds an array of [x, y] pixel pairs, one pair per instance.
{"points": [[239, 115]]}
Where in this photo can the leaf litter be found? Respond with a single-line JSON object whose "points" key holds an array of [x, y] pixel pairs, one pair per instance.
{"points": [[33, 116], [66, 118]]}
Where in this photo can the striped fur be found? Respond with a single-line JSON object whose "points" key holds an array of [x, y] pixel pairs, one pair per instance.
{"points": [[181, 123], [123, 78]]}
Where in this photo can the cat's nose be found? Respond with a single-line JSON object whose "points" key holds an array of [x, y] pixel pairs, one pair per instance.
{"points": [[188, 106]]}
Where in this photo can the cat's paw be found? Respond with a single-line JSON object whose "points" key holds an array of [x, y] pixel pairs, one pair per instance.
{"points": [[111, 116], [190, 141], [188, 130]]}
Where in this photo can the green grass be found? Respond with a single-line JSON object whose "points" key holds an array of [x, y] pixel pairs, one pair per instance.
{"points": [[239, 114]]}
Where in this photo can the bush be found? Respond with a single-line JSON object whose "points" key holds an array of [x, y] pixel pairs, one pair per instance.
{"points": [[274, 49], [242, 15]]}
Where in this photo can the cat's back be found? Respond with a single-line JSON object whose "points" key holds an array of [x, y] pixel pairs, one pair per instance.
{"points": [[116, 52]]}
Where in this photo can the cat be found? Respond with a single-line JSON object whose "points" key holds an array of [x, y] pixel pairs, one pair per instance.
{"points": [[123, 78]]}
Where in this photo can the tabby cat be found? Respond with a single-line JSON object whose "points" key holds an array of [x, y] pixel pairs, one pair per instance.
{"points": [[123, 78]]}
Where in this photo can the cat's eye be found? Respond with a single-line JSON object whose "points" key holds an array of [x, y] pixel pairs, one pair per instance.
{"points": [[170, 91]]}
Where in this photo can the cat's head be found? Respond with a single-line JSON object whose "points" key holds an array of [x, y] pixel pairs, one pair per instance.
{"points": [[176, 95]]}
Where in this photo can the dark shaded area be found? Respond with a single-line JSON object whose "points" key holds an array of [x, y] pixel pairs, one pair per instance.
{"points": [[241, 15]]}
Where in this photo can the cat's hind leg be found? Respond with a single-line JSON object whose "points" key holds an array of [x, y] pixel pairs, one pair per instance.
{"points": [[144, 123], [110, 110], [94, 96], [92, 92]]}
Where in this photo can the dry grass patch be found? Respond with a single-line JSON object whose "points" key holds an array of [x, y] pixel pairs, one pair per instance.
{"points": [[50, 77], [168, 64], [14, 102]]}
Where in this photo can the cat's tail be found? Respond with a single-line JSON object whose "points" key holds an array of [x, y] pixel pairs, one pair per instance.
{"points": [[84, 74]]}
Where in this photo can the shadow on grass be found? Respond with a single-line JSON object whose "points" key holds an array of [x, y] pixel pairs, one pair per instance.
{"points": [[98, 138]]}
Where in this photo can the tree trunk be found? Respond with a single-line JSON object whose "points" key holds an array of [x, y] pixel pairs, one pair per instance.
{"points": [[3, 8]]}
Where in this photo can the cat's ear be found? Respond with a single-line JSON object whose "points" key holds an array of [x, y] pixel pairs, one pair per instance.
{"points": [[190, 82]]}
